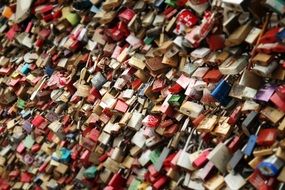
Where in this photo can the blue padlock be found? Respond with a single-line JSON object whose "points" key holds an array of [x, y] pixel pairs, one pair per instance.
{"points": [[221, 92], [250, 145], [159, 4], [281, 35], [270, 166], [65, 155], [94, 9], [25, 69], [49, 70]]}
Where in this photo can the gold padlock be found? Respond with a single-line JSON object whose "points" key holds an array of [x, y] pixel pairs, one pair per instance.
{"points": [[208, 123]]}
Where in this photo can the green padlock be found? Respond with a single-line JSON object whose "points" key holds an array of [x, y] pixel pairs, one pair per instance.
{"points": [[134, 184], [90, 172], [21, 104], [154, 155], [148, 40], [171, 3], [176, 100]]}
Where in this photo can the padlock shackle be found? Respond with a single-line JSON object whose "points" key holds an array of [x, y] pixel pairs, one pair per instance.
{"points": [[188, 140], [259, 127]]}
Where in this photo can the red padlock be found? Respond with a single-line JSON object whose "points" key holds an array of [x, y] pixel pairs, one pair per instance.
{"points": [[171, 130], [94, 135], [48, 17], [38, 120], [153, 172], [42, 168], [126, 15], [160, 183], [278, 101], [212, 76], [95, 93], [270, 184], [175, 89], [166, 123], [20, 148], [75, 152], [256, 179], [234, 144], [281, 91], [26, 177], [235, 116], [270, 36], [121, 106], [267, 137], [151, 121], [14, 173], [57, 13], [158, 85], [117, 181], [187, 18], [202, 159], [199, 119], [85, 156], [216, 42], [35, 148]]}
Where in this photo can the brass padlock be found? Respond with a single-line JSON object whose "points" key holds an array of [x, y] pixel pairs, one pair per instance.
{"points": [[239, 35], [208, 123], [223, 128], [272, 114]]}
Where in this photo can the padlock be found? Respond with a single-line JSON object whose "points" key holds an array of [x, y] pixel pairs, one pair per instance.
{"points": [[239, 35], [215, 182], [118, 153], [250, 79], [278, 101], [276, 7], [249, 123], [221, 91], [262, 59], [184, 160], [266, 137], [220, 156], [200, 118], [235, 143], [212, 76], [223, 128], [191, 109], [234, 181], [135, 121], [253, 35], [201, 160], [165, 152], [233, 65], [263, 151], [270, 166], [266, 70], [233, 118], [236, 162], [200, 72], [208, 123], [207, 171], [176, 100], [251, 143], [272, 114]]}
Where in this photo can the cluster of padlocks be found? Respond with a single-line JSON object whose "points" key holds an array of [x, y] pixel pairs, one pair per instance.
{"points": [[142, 94]]}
